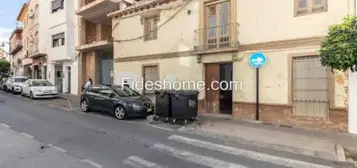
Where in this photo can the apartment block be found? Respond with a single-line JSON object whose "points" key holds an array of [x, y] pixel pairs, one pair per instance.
{"points": [[16, 52], [35, 39], [210, 41], [95, 40], [61, 23]]}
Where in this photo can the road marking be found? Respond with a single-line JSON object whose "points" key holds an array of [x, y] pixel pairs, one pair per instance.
{"points": [[27, 135], [163, 128], [246, 153], [60, 149], [70, 105], [92, 163], [4, 125], [196, 158], [137, 162]]}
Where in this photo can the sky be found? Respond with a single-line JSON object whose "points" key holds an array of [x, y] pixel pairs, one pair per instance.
{"points": [[9, 9]]}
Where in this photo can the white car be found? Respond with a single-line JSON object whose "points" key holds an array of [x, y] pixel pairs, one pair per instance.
{"points": [[15, 83], [39, 88]]}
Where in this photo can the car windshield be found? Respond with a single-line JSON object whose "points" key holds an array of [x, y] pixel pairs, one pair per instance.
{"points": [[125, 91], [41, 83], [20, 80]]}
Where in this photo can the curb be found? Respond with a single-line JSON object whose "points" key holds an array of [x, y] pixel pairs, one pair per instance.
{"points": [[340, 152], [278, 147]]}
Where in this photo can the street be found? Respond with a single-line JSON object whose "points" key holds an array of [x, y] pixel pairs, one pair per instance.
{"points": [[103, 141]]}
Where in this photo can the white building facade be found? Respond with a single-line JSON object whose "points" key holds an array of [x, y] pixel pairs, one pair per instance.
{"points": [[62, 38]]}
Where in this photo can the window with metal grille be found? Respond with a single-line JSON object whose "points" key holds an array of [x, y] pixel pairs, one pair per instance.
{"points": [[151, 75], [150, 28], [310, 86], [218, 24]]}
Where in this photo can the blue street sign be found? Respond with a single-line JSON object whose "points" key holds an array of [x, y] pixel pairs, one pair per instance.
{"points": [[257, 60]]}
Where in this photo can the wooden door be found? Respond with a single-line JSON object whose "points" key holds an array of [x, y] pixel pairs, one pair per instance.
{"points": [[212, 85]]}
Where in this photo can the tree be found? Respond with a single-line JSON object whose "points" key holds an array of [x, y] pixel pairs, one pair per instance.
{"points": [[4, 68], [338, 50]]}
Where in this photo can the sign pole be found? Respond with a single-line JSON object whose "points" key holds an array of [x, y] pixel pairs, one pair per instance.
{"points": [[257, 96], [257, 60]]}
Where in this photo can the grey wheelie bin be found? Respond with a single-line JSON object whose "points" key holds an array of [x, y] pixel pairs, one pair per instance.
{"points": [[162, 104], [184, 105]]}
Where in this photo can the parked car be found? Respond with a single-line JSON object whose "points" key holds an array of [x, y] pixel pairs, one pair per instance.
{"points": [[14, 84], [3, 83], [39, 88], [120, 101]]}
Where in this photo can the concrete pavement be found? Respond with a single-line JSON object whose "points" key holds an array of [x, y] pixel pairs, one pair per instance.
{"points": [[102, 141], [20, 150]]}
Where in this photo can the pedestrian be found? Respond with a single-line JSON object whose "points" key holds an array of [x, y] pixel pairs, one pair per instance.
{"points": [[88, 84]]}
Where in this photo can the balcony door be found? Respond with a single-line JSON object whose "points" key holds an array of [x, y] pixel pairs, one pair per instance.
{"points": [[217, 24]]}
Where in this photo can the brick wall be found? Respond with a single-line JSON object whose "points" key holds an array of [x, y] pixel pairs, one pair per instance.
{"points": [[106, 32], [97, 32], [90, 32]]}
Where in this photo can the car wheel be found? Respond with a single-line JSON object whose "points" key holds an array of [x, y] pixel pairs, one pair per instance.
{"points": [[13, 91], [119, 112], [84, 106], [31, 95]]}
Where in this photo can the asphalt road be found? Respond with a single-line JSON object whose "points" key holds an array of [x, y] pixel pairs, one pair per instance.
{"points": [[109, 143]]}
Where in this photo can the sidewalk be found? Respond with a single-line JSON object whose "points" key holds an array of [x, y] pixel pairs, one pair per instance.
{"points": [[326, 145], [17, 150]]}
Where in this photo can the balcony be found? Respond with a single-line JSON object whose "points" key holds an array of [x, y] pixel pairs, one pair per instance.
{"points": [[223, 38], [96, 37], [98, 45], [96, 10], [16, 47], [35, 52]]}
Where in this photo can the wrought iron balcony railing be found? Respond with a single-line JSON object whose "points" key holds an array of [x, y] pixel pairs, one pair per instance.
{"points": [[217, 37]]}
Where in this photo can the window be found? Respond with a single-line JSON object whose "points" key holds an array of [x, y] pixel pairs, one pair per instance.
{"points": [[151, 75], [57, 5], [107, 92], [218, 25], [41, 83], [20, 80], [303, 7], [95, 89], [150, 28], [58, 40]]}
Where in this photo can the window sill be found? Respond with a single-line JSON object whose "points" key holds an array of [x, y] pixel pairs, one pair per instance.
{"points": [[309, 13]]}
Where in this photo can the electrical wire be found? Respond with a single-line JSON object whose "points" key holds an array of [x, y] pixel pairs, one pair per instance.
{"points": [[139, 37]]}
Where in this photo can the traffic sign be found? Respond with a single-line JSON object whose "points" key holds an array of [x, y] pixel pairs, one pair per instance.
{"points": [[257, 60]]}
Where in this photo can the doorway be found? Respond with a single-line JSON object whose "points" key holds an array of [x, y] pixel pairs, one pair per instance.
{"points": [[106, 66], [69, 79], [218, 77], [59, 77]]}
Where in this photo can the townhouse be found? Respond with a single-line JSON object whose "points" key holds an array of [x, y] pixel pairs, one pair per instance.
{"points": [[211, 40], [95, 41]]}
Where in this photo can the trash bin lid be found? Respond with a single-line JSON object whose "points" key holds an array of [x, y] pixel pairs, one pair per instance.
{"points": [[186, 92]]}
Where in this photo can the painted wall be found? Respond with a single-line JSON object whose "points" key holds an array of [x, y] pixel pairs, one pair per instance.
{"points": [[63, 21], [182, 71], [352, 105], [181, 39], [262, 23]]}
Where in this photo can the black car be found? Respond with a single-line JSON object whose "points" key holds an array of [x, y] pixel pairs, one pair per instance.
{"points": [[121, 101]]}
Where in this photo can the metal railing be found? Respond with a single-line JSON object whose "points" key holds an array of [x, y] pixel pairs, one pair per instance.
{"points": [[217, 37]]}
